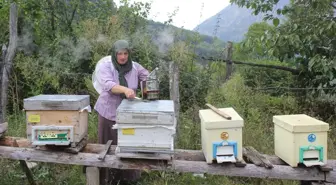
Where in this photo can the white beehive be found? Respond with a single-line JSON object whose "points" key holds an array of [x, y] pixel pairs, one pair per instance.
{"points": [[146, 125], [57, 119], [300, 139], [222, 139]]}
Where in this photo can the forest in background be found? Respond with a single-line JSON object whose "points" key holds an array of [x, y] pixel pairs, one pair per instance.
{"points": [[59, 43]]}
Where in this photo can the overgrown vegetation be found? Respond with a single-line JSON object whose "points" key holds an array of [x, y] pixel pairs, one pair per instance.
{"points": [[61, 41]]}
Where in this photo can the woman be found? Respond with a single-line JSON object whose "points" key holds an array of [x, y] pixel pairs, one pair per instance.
{"points": [[118, 77]]}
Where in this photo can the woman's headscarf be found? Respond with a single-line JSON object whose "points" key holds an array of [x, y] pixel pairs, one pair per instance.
{"points": [[122, 69]]}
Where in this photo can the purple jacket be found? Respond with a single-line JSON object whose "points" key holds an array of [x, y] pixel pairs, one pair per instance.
{"points": [[107, 102]]}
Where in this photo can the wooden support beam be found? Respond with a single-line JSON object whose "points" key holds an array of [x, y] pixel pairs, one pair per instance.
{"points": [[111, 161], [25, 168], [250, 170], [180, 154], [92, 176]]}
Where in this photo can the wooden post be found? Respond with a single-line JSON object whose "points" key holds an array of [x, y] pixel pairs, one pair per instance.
{"points": [[228, 61], [92, 176], [174, 92], [25, 168], [2, 64], [7, 63]]}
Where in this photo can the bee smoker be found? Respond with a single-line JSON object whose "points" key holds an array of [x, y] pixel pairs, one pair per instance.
{"points": [[150, 86]]}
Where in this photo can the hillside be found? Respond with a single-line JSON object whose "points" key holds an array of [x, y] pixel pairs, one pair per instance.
{"points": [[164, 35], [233, 22]]}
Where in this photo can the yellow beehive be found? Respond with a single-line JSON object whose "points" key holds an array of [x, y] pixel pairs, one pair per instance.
{"points": [[221, 138], [300, 139], [57, 119]]}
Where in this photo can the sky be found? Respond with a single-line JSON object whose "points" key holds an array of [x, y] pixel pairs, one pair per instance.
{"points": [[189, 14]]}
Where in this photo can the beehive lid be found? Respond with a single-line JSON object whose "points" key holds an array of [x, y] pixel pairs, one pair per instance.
{"points": [[56, 102], [300, 123], [212, 120], [151, 107]]}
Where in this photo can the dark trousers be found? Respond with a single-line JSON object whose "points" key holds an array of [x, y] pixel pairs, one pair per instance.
{"points": [[113, 176]]}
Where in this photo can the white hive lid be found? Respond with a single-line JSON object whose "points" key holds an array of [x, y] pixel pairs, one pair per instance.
{"points": [[300, 123], [212, 120]]}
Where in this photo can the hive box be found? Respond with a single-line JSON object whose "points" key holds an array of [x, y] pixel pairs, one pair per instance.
{"points": [[221, 138], [300, 139], [146, 125], [57, 119]]}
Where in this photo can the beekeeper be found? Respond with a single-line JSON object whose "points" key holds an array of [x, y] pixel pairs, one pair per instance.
{"points": [[116, 77]]}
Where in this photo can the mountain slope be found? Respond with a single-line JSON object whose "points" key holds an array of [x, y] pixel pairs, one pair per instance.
{"points": [[232, 22]]}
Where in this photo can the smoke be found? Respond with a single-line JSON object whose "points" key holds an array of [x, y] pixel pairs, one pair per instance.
{"points": [[82, 50], [164, 40], [25, 42], [101, 38]]}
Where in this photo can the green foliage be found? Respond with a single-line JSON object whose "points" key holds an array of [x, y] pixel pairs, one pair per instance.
{"points": [[306, 38], [254, 43]]}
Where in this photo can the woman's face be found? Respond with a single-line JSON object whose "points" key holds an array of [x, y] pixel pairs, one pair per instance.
{"points": [[122, 56]]}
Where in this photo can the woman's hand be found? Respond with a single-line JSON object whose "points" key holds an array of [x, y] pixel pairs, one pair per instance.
{"points": [[129, 93]]}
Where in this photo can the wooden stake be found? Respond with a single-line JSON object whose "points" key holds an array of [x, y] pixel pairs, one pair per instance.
{"points": [[221, 113]]}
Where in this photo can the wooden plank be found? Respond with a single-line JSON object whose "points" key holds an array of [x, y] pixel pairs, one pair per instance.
{"points": [[92, 176], [250, 170], [180, 154], [111, 161], [251, 157], [326, 168], [255, 156], [322, 183], [104, 152], [79, 147], [219, 112], [331, 177]]}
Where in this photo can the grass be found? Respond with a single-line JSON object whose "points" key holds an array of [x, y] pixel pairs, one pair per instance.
{"points": [[257, 110]]}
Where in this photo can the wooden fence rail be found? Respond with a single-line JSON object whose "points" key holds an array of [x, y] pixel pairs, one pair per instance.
{"points": [[184, 161]]}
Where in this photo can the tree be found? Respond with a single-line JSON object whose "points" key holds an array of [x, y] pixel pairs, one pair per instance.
{"points": [[307, 37]]}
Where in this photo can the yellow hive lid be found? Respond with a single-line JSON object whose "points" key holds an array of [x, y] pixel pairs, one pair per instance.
{"points": [[212, 120], [300, 123]]}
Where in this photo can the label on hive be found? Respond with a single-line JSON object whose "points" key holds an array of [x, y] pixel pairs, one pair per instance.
{"points": [[34, 118], [224, 136], [311, 138], [128, 131], [52, 136]]}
